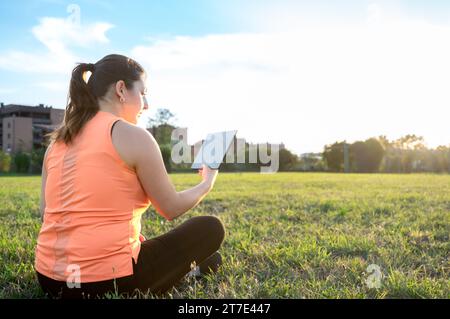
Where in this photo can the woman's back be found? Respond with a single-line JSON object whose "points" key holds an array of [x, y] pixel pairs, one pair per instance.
{"points": [[94, 202]]}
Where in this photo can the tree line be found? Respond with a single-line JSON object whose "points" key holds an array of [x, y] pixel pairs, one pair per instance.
{"points": [[22, 162], [408, 154]]}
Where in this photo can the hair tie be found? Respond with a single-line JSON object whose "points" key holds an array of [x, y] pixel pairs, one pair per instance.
{"points": [[90, 67]]}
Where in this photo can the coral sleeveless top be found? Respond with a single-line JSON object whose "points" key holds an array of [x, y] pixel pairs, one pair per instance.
{"points": [[94, 203]]}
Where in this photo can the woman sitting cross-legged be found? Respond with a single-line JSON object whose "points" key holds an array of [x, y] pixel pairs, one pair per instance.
{"points": [[100, 174]]}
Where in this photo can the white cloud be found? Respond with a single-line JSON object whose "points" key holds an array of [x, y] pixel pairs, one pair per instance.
{"points": [[308, 86], [59, 36]]}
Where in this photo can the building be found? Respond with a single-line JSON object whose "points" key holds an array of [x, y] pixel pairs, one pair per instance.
{"points": [[23, 127]]}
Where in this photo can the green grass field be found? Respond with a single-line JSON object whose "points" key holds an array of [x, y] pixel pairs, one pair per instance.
{"points": [[289, 235]]}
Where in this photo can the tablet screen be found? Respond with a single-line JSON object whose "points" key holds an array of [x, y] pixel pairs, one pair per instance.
{"points": [[214, 149]]}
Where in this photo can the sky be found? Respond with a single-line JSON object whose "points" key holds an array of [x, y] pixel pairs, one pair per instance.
{"points": [[305, 73]]}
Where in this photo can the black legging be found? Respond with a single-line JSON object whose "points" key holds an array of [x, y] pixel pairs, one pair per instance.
{"points": [[163, 261]]}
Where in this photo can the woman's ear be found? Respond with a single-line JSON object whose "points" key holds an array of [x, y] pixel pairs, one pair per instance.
{"points": [[120, 90]]}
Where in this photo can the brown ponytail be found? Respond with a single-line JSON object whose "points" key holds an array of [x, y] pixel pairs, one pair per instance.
{"points": [[82, 101]]}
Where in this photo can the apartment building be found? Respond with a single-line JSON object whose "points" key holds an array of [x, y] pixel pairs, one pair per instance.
{"points": [[23, 127]]}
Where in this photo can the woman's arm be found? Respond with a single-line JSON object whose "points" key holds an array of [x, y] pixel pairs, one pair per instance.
{"points": [[153, 176], [187, 199], [192, 197]]}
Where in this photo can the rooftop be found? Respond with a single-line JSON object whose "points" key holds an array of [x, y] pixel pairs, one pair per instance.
{"points": [[9, 108]]}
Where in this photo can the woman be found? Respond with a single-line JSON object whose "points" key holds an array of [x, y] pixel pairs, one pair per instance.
{"points": [[101, 172]]}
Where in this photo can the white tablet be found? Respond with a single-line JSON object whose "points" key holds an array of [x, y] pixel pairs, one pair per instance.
{"points": [[214, 149]]}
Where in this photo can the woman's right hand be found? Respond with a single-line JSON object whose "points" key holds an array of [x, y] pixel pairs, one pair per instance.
{"points": [[208, 175]]}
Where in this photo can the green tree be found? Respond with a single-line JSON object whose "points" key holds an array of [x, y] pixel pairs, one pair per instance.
{"points": [[334, 156], [287, 160], [366, 156], [162, 116], [441, 159], [5, 162], [160, 126], [384, 141], [22, 162], [37, 160], [166, 152], [161, 129], [410, 142], [163, 133]]}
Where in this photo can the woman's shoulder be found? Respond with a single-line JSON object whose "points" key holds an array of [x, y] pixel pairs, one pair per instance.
{"points": [[128, 133], [128, 140]]}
